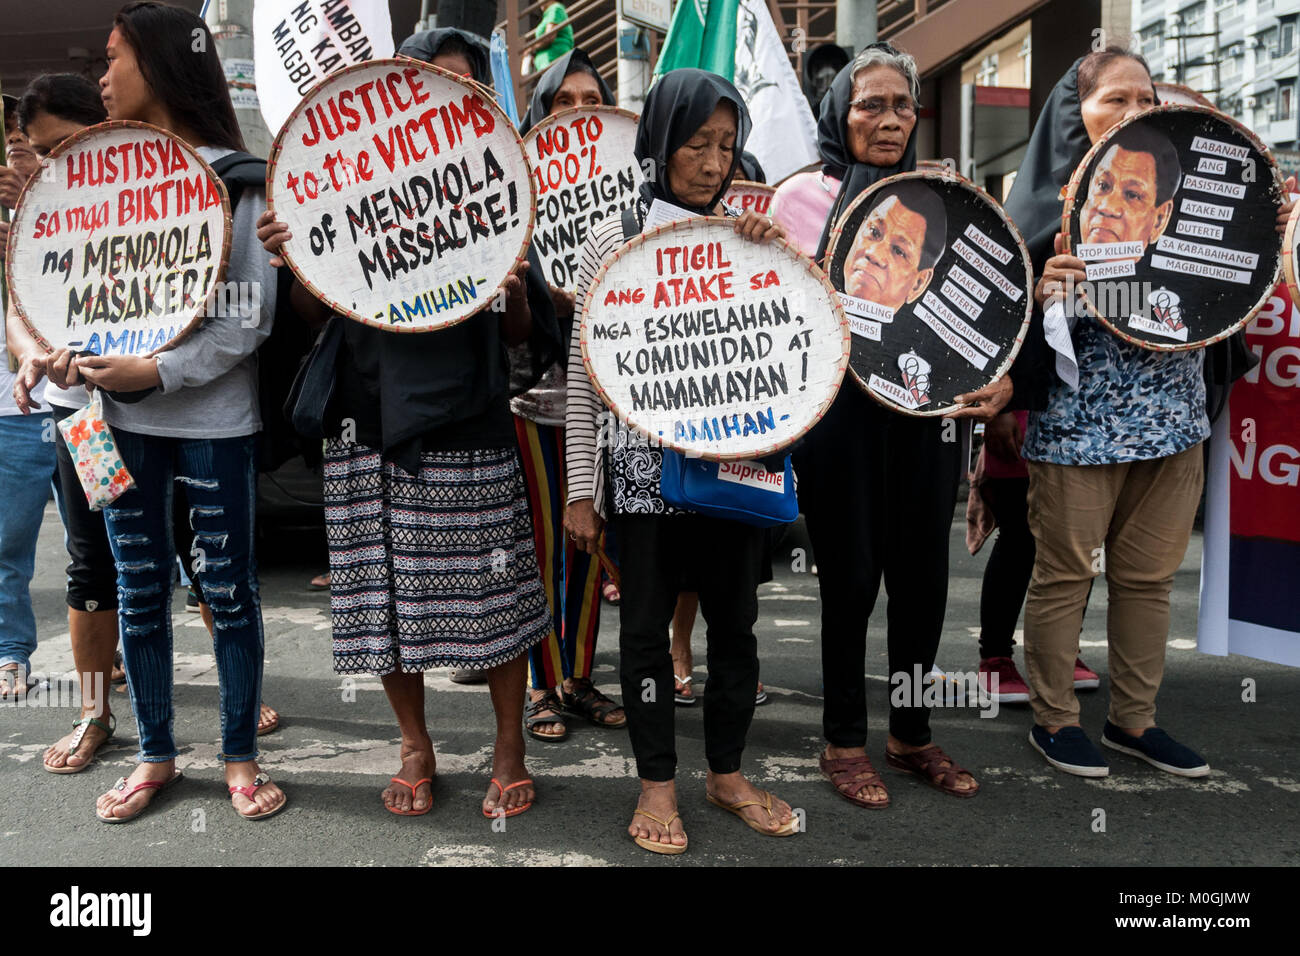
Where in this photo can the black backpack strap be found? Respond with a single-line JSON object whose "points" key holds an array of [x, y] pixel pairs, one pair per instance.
{"points": [[239, 170], [631, 228]]}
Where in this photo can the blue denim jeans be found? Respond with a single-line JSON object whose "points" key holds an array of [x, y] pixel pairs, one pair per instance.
{"points": [[26, 473], [220, 483]]}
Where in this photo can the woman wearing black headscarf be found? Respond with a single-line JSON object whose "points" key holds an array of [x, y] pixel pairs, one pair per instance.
{"points": [[1114, 482], [692, 130], [878, 487], [561, 665], [420, 465]]}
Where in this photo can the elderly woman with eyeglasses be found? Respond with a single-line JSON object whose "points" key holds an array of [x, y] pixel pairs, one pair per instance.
{"points": [[878, 487]]}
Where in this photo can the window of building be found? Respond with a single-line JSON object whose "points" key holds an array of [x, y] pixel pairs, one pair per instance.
{"points": [[987, 75], [1286, 103], [1026, 53], [1153, 38], [1285, 39]]}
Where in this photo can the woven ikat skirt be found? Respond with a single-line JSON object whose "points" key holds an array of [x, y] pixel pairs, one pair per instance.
{"points": [[430, 570]]}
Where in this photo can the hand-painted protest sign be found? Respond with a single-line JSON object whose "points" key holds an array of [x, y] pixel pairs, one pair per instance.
{"points": [[297, 44], [118, 241], [584, 171], [711, 344], [1291, 254], [406, 192], [935, 279], [1180, 94], [744, 194], [1174, 213], [1252, 500]]}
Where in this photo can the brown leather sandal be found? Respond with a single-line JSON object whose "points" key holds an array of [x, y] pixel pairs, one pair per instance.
{"points": [[926, 765], [840, 771]]}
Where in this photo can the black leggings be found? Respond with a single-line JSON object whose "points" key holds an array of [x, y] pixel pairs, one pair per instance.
{"points": [[92, 576], [722, 560], [1010, 565], [878, 490]]}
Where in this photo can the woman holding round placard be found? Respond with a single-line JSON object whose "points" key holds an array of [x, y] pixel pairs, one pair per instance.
{"points": [[432, 561], [1115, 466], [878, 487], [196, 426], [692, 130], [560, 665]]}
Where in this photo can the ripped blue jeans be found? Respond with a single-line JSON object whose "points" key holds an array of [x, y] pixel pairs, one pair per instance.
{"points": [[220, 483]]}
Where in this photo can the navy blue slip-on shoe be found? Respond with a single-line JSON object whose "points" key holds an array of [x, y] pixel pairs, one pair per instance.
{"points": [[1069, 749], [1158, 749]]}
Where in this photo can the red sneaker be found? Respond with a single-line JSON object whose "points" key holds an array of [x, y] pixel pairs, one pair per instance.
{"points": [[1085, 679], [1002, 682]]}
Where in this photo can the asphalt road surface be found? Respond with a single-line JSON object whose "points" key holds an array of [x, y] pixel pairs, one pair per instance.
{"points": [[333, 756]]}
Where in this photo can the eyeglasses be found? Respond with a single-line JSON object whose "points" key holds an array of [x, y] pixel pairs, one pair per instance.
{"points": [[903, 109]]}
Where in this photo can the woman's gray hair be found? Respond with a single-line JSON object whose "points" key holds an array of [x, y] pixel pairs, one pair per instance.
{"points": [[897, 60]]}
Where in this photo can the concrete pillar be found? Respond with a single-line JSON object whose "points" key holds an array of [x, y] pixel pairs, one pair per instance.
{"points": [[855, 23], [231, 23]]}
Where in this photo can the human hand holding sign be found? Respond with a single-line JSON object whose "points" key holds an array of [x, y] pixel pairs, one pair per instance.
{"points": [[1057, 272], [1284, 213], [119, 373], [985, 403], [758, 228], [272, 234]]}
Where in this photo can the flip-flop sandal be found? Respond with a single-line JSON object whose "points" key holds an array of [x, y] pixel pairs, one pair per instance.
{"points": [[413, 812], [270, 728], [492, 815], [925, 764], [790, 828], [611, 593], [760, 695], [532, 717], [840, 771], [685, 700], [260, 781], [593, 705], [125, 795], [320, 582], [80, 727], [668, 849]]}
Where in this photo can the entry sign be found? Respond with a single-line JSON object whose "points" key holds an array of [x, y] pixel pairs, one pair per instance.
{"points": [[118, 241], [407, 194], [584, 171], [713, 345], [936, 281], [1174, 213], [651, 14], [744, 195]]}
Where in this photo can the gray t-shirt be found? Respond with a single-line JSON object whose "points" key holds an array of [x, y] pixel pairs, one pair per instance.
{"points": [[209, 381]]}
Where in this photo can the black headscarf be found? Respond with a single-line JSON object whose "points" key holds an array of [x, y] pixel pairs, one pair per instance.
{"points": [[426, 44], [751, 169], [539, 107], [837, 158], [427, 381], [1057, 146], [676, 106]]}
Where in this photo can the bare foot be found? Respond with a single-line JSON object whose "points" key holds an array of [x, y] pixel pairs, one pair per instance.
{"points": [[659, 799], [110, 803], [416, 765], [733, 788], [875, 793], [268, 720], [19, 688], [267, 797], [508, 768], [964, 780], [57, 754]]}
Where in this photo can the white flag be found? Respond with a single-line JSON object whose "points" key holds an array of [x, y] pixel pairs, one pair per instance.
{"points": [[297, 43], [784, 137]]}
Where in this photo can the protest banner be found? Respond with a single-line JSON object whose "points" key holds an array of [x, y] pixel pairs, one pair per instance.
{"points": [[713, 345], [1291, 254], [584, 170], [1252, 500], [1174, 213], [297, 44], [744, 194], [118, 241], [935, 279], [407, 194]]}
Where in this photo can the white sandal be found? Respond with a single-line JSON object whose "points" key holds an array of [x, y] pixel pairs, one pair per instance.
{"points": [[685, 700]]}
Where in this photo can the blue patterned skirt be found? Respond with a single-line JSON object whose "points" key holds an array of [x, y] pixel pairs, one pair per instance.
{"points": [[430, 570]]}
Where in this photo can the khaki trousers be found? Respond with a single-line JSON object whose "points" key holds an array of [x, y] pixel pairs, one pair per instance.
{"points": [[1131, 520]]}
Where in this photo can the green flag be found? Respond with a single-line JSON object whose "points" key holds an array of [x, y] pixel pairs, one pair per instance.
{"points": [[702, 34]]}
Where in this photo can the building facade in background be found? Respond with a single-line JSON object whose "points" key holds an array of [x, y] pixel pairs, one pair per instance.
{"points": [[1242, 54]]}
